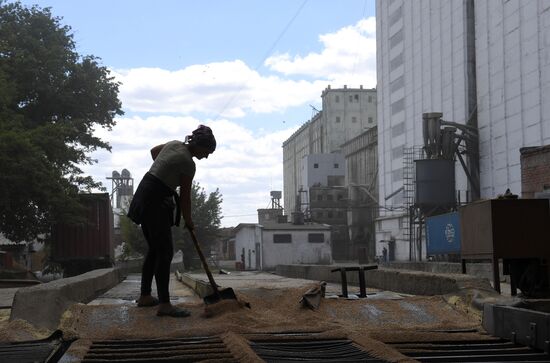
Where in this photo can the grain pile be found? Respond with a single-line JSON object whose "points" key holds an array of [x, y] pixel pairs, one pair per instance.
{"points": [[20, 330], [368, 322], [273, 310]]}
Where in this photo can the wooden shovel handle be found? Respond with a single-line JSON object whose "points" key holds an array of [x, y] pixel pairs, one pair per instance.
{"points": [[204, 264]]}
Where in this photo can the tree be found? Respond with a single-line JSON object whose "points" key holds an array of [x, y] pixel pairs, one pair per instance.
{"points": [[51, 101], [206, 213]]}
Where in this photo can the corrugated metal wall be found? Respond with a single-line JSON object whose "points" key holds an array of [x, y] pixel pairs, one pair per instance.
{"points": [[91, 240]]}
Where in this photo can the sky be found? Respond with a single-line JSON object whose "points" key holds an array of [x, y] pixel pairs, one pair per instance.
{"points": [[251, 70]]}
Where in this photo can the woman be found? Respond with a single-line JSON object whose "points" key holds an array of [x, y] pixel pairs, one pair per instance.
{"points": [[153, 208]]}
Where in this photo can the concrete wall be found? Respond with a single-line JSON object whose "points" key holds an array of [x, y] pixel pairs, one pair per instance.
{"points": [[455, 57], [42, 305], [513, 85], [409, 282], [347, 112], [535, 171], [337, 123], [478, 269], [421, 67], [245, 240], [300, 251], [317, 167]]}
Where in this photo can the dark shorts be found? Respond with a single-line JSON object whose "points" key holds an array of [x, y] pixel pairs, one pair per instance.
{"points": [[153, 197]]}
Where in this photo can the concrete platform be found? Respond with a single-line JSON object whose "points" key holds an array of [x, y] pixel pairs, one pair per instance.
{"points": [[6, 297], [42, 305], [128, 290]]}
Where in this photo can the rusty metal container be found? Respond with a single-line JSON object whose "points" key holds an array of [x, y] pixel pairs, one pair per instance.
{"points": [[505, 228], [89, 241]]}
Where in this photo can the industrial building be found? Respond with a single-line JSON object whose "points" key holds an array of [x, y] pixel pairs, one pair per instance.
{"points": [[275, 241], [485, 67], [315, 165], [122, 191]]}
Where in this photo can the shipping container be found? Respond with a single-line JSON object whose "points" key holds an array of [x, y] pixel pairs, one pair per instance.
{"points": [[443, 234], [87, 245]]}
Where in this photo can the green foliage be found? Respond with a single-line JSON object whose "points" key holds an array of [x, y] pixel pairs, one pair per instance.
{"points": [[133, 238], [51, 100], [206, 213]]}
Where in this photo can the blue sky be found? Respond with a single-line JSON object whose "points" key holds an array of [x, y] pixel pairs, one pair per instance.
{"points": [[249, 69]]}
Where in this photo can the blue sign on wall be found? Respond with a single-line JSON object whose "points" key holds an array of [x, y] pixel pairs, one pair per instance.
{"points": [[443, 234]]}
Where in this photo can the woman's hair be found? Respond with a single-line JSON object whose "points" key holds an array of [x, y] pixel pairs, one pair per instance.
{"points": [[203, 137]]}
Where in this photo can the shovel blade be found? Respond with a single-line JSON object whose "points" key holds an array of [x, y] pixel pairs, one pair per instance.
{"points": [[225, 294]]}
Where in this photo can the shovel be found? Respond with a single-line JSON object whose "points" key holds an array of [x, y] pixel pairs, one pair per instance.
{"points": [[218, 295]]}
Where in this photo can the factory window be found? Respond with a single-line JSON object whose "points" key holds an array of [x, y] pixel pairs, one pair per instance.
{"points": [[398, 106], [396, 61], [330, 214], [398, 129], [356, 97], [396, 38], [353, 119], [336, 166], [329, 197], [350, 98], [319, 215], [370, 99], [396, 15], [397, 84], [337, 98], [340, 196], [315, 237], [319, 197], [340, 214], [370, 120], [397, 175], [337, 119], [315, 166], [397, 152], [282, 238]]}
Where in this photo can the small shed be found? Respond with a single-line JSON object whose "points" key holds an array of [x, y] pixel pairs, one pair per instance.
{"points": [[264, 246]]}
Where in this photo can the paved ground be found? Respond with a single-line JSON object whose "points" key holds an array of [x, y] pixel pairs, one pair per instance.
{"points": [[128, 291], [6, 296]]}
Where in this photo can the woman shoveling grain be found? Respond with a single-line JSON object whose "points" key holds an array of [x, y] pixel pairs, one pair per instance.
{"points": [[153, 208]]}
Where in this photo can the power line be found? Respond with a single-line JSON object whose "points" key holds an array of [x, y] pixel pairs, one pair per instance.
{"points": [[268, 53]]}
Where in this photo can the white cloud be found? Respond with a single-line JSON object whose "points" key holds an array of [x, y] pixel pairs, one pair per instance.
{"points": [[348, 55], [248, 162], [233, 89], [230, 88], [245, 167]]}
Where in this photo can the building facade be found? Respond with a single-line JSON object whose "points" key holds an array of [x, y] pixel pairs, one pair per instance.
{"points": [[481, 61], [264, 246], [361, 155], [346, 113]]}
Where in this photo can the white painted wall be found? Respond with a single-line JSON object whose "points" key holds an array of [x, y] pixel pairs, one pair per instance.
{"points": [[421, 67], [246, 238], [422, 60], [300, 251], [325, 166], [513, 87]]}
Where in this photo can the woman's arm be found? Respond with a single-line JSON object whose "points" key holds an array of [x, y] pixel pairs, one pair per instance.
{"points": [[185, 200], [156, 150]]}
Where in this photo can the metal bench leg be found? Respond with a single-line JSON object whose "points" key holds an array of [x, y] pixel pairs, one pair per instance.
{"points": [[344, 279], [362, 284]]}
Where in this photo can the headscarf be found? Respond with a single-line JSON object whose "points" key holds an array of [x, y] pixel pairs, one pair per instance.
{"points": [[203, 137]]}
